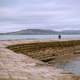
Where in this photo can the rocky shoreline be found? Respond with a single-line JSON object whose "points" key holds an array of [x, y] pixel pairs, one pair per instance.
{"points": [[32, 69]]}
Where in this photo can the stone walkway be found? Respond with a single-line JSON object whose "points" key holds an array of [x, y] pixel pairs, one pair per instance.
{"points": [[20, 67]]}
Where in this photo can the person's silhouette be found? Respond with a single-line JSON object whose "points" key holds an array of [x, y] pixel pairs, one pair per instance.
{"points": [[59, 36]]}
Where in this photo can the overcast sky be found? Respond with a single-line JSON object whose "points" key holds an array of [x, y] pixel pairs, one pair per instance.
{"points": [[44, 14]]}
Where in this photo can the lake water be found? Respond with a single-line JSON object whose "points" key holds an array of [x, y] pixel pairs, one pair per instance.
{"points": [[35, 37]]}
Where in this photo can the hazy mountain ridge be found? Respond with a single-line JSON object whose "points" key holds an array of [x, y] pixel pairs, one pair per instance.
{"points": [[33, 32], [41, 32], [71, 32]]}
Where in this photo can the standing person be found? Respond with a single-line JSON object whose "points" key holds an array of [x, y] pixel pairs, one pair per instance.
{"points": [[59, 36]]}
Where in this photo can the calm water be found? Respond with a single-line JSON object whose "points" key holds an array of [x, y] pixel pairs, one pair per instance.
{"points": [[73, 66], [33, 37]]}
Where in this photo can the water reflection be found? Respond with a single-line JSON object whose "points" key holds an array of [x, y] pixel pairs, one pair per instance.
{"points": [[73, 65]]}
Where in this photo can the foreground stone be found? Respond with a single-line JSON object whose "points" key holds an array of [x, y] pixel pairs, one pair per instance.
{"points": [[21, 67]]}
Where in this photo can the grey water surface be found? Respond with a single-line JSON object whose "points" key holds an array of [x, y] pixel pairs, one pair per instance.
{"points": [[73, 66], [34, 37]]}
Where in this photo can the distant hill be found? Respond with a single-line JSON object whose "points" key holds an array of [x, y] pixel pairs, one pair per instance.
{"points": [[70, 32], [41, 32], [33, 32]]}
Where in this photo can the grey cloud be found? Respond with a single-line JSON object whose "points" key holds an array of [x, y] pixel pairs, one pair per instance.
{"points": [[58, 14], [8, 3]]}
